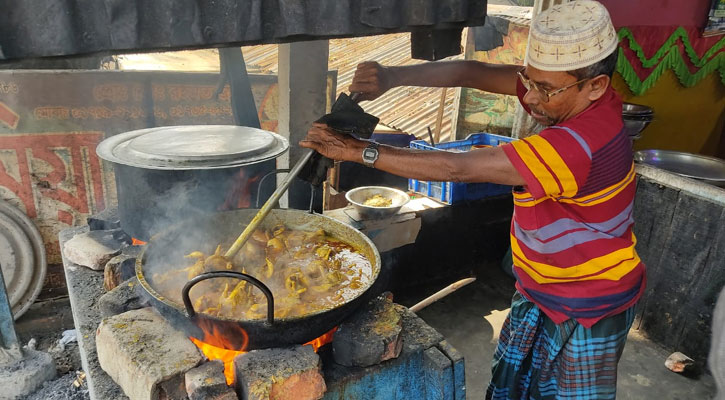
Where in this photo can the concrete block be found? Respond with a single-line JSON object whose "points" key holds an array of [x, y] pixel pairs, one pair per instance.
{"points": [[417, 335], [95, 248], [371, 336], [23, 376], [85, 286], [125, 297], [121, 267], [207, 382], [145, 355], [281, 374]]}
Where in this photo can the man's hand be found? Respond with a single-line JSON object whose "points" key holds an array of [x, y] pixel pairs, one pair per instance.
{"points": [[371, 80], [331, 144]]}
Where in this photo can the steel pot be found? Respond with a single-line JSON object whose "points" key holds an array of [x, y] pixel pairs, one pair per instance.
{"points": [[168, 173], [169, 247]]}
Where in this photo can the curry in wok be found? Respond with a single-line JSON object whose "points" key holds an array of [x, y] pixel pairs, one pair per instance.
{"points": [[307, 271]]}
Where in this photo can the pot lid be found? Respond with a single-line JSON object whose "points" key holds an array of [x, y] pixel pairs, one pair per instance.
{"points": [[22, 258], [192, 147]]}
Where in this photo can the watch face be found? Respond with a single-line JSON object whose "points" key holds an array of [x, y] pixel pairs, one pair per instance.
{"points": [[370, 155]]}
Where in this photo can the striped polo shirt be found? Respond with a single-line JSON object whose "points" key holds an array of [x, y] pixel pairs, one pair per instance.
{"points": [[571, 234]]}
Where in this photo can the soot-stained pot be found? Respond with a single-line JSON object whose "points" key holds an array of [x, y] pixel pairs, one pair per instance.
{"points": [[169, 173]]}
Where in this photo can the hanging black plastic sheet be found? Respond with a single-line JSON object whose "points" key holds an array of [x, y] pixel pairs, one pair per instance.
{"points": [[43, 28]]}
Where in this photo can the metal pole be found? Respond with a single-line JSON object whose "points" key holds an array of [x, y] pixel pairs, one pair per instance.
{"points": [[9, 346]]}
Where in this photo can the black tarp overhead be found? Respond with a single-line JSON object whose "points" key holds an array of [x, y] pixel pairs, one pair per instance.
{"points": [[46, 28]]}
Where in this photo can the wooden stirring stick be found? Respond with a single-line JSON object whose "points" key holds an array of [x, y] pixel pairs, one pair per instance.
{"points": [[441, 294]]}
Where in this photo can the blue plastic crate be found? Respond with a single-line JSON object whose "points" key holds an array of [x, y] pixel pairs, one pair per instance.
{"points": [[453, 192]]}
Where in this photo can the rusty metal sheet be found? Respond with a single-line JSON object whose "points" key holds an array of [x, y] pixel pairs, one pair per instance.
{"points": [[43, 28]]}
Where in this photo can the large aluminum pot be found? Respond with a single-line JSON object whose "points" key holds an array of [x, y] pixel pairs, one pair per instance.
{"points": [[168, 173], [167, 250]]}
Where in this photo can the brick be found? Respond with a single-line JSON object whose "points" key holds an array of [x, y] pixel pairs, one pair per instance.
{"points": [[678, 362], [145, 355], [120, 267], [281, 374], [95, 248], [207, 382], [371, 336], [125, 297]]}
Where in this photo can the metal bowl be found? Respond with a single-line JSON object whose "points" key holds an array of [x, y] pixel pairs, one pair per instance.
{"points": [[636, 117], [706, 169], [633, 127], [636, 109], [357, 197]]}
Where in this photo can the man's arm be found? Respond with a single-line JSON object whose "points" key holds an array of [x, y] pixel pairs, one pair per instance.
{"points": [[479, 165], [372, 79]]}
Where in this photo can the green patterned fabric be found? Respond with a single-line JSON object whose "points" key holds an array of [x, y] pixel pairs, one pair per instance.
{"points": [[669, 56]]}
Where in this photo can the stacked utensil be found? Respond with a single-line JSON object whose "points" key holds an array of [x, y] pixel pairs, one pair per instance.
{"points": [[636, 117]]}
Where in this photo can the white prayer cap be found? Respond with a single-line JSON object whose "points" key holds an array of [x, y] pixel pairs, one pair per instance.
{"points": [[571, 36]]}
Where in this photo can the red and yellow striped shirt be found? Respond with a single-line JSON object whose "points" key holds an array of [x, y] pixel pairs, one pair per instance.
{"points": [[571, 235]]}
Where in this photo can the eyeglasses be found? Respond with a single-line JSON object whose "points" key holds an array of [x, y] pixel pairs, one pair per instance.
{"points": [[543, 93]]}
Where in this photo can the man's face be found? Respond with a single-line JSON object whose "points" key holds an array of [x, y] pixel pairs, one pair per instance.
{"points": [[560, 106]]}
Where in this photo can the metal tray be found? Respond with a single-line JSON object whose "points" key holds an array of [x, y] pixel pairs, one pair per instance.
{"points": [[703, 168]]}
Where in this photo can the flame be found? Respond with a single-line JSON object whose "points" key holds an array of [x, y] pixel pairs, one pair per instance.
{"points": [[322, 340], [240, 194], [216, 347], [217, 353], [136, 242], [227, 356]]}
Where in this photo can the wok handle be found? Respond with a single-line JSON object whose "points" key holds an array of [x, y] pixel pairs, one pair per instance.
{"points": [[228, 274]]}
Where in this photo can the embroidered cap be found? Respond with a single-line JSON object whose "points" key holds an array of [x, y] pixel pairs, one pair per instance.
{"points": [[571, 36]]}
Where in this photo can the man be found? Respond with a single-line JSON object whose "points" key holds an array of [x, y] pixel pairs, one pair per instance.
{"points": [[578, 276]]}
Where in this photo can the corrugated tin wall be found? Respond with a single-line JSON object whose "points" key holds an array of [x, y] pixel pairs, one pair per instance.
{"points": [[410, 109]]}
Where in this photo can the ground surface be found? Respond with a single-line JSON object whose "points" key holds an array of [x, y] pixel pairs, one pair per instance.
{"points": [[471, 318], [44, 324], [61, 389]]}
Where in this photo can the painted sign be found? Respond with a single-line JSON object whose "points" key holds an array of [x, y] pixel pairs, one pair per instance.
{"points": [[52, 121]]}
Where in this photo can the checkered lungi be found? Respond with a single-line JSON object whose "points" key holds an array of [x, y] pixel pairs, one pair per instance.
{"points": [[537, 359]]}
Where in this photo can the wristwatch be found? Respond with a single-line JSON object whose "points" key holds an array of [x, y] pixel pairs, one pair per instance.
{"points": [[370, 154]]}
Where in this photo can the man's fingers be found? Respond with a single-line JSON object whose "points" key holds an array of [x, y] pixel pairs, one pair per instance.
{"points": [[366, 73], [361, 87], [308, 144], [367, 64]]}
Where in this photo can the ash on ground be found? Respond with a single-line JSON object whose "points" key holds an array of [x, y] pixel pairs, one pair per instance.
{"points": [[70, 384], [62, 388]]}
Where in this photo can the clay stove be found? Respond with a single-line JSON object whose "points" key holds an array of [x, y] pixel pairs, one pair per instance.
{"points": [[382, 351]]}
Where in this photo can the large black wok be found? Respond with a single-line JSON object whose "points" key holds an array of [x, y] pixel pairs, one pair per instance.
{"points": [[166, 250]]}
